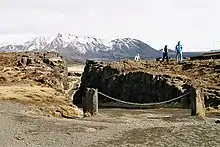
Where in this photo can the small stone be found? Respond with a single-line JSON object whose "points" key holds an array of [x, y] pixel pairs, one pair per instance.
{"points": [[210, 109], [68, 133], [87, 115], [18, 138], [217, 121], [90, 130], [57, 114], [57, 93]]}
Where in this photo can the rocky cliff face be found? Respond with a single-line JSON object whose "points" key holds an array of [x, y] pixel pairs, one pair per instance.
{"points": [[147, 81], [139, 86]]}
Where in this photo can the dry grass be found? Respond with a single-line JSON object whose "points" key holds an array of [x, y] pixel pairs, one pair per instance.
{"points": [[42, 100], [19, 84]]}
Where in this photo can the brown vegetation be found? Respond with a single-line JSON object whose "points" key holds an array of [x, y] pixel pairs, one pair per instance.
{"points": [[36, 79]]}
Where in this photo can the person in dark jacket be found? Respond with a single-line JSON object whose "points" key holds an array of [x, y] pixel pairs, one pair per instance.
{"points": [[165, 54]]}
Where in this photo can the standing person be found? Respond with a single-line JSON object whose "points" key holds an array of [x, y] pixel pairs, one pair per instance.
{"points": [[137, 57], [179, 53], [165, 54]]}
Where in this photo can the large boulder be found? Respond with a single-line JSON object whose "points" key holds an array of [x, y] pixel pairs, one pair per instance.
{"points": [[132, 86]]}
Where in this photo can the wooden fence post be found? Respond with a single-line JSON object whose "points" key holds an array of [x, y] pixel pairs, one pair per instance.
{"points": [[197, 102], [90, 102]]}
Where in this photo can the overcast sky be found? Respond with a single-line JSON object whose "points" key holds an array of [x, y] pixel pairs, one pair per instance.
{"points": [[196, 23]]}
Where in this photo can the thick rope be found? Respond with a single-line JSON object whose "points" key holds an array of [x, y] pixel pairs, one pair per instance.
{"points": [[144, 104]]}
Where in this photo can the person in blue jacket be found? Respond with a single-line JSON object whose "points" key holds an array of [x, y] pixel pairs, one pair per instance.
{"points": [[179, 53]]}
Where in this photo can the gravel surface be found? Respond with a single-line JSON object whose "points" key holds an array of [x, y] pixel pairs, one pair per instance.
{"points": [[112, 127]]}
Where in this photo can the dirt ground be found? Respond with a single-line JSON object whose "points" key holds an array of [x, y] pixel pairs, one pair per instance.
{"points": [[112, 127]]}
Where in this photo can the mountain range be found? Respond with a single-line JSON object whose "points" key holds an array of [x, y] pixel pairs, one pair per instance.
{"points": [[81, 48]]}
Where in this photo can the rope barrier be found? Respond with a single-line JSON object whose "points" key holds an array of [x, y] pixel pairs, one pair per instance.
{"points": [[144, 104]]}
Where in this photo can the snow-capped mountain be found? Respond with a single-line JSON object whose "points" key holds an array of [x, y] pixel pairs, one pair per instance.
{"points": [[37, 43], [77, 47]]}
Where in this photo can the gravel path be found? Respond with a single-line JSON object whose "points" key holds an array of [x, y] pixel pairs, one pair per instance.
{"points": [[114, 128]]}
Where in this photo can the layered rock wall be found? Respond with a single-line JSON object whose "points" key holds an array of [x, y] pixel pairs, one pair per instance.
{"points": [[132, 86]]}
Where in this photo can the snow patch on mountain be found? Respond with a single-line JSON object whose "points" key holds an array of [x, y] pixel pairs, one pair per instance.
{"points": [[84, 46], [37, 43]]}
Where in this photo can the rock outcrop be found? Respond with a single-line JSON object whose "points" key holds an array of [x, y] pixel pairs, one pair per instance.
{"points": [[44, 68], [37, 79], [143, 82], [131, 86]]}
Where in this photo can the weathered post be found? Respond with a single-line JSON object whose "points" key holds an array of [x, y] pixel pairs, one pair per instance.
{"points": [[94, 96], [197, 102], [84, 104], [90, 102]]}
